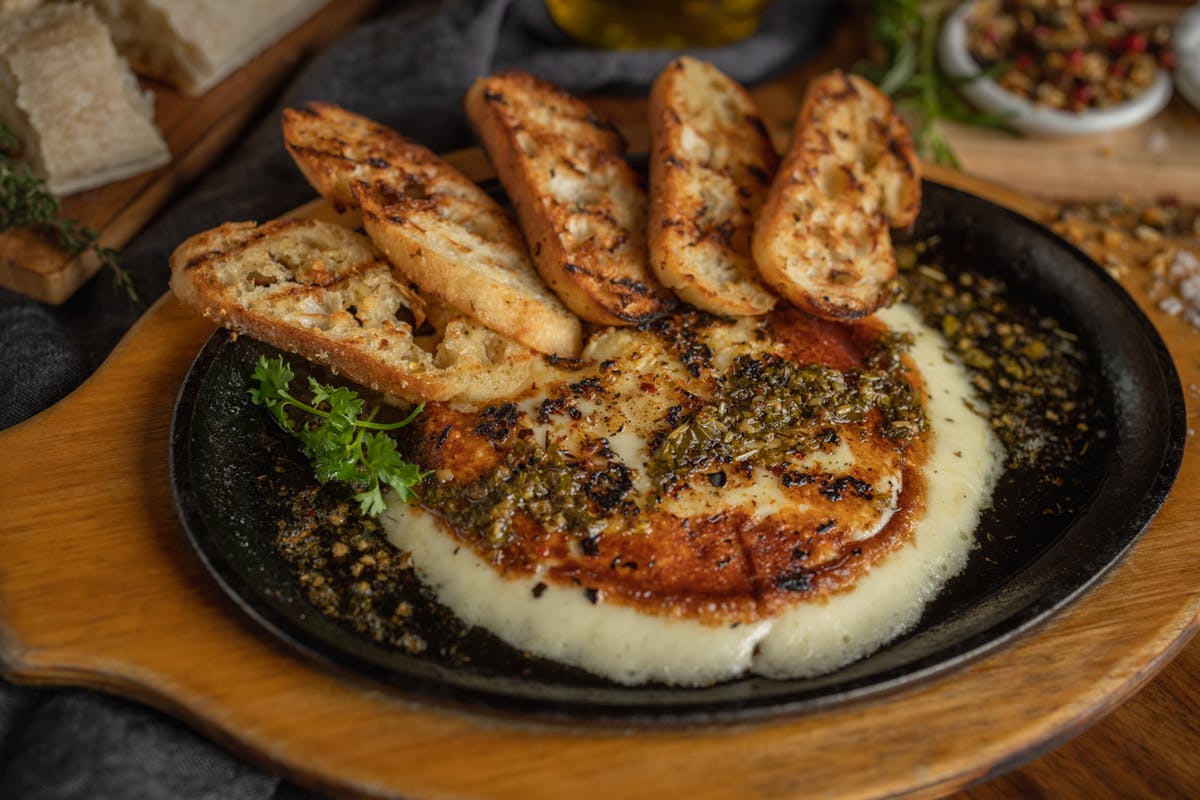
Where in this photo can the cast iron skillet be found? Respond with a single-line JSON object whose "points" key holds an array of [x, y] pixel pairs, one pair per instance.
{"points": [[1028, 565]]}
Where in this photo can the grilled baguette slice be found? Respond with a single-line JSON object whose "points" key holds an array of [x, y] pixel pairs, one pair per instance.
{"points": [[581, 206], [822, 238], [321, 291], [711, 163], [442, 231]]}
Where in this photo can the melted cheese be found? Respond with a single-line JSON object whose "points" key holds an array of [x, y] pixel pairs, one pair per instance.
{"points": [[631, 646]]}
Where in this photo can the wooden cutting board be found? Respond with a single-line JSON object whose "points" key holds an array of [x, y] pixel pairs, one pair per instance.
{"points": [[99, 588], [196, 129]]}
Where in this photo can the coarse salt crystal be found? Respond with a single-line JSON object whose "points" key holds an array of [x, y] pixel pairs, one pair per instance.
{"points": [[1189, 289], [1183, 265], [1171, 305], [1157, 142]]}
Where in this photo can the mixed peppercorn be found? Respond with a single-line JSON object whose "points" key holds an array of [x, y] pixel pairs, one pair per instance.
{"points": [[1072, 55]]}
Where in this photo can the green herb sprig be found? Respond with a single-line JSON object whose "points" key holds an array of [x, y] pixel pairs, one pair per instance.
{"points": [[342, 445], [25, 202], [905, 34]]}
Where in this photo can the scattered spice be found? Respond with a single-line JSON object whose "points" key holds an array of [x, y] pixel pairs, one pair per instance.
{"points": [[1154, 242], [344, 565], [1032, 373]]}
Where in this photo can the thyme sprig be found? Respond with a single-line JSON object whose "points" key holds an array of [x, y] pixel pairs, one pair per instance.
{"points": [[26, 203], [905, 66]]}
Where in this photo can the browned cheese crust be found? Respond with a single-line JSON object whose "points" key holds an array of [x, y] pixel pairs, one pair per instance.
{"points": [[325, 293], [436, 226], [580, 204], [711, 163], [822, 238], [716, 567]]}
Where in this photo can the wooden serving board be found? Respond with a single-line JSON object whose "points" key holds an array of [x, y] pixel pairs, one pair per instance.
{"points": [[1163, 152], [197, 130], [99, 588]]}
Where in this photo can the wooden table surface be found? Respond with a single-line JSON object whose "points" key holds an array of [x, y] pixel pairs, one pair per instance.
{"points": [[1149, 745]]}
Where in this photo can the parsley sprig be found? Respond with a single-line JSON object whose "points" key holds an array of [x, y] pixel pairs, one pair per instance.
{"points": [[342, 445], [25, 202], [905, 35]]}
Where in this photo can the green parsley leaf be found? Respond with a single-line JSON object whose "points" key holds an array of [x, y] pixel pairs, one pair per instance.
{"points": [[342, 445], [273, 378]]}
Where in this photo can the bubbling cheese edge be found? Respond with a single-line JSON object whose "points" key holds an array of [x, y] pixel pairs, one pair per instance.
{"points": [[631, 647]]}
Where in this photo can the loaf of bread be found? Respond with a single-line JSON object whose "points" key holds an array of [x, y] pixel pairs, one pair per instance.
{"points": [[711, 163], [436, 225], [822, 238], [326, 293], [581, 206], [194, 45], [72, 101]]}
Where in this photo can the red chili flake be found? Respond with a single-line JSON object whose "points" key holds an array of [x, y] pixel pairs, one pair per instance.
{"points": [[1136, 42], [649, 388]]}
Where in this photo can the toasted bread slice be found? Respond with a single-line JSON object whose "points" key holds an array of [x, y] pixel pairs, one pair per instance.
{"points": [[326, 293], [822, 238], [711, 163], [581, 206], [438, 228]]}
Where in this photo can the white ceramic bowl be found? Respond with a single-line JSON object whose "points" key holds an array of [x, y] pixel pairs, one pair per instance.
{"points": [[1186, 43], [1030, 117]]}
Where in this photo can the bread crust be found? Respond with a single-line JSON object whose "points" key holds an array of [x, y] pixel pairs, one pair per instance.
{"points": [[581, 206], [325, 293], [711, 164], [822, 237], [437, 227]]}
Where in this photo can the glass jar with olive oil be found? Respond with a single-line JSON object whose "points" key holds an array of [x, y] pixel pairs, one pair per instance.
{"points": [[673, 24]]}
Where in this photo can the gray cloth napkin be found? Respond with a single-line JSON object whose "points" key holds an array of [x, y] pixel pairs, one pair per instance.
{"points": [[408, 66]]}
